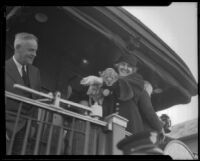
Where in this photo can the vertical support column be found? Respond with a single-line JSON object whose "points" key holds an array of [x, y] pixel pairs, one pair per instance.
{"points": [[117, 124], [87, 135], [101, 142]]}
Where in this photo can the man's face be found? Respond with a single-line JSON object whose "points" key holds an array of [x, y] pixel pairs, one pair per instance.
{"points": [[124, 69], [27, 51]]}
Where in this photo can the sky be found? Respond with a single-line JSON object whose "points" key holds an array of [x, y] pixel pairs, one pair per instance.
{"points": [[176, 25]]}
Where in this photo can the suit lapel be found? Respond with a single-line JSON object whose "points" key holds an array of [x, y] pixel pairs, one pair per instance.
{"points": [[13, 72]]}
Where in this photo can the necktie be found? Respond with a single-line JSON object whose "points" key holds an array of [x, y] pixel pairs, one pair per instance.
{"points": [[25, 76], [27, 94]]}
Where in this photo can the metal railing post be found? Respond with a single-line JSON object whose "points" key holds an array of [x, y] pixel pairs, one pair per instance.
{"points": [[49, 140], [57, 119], [24, 147], [87, 135]]}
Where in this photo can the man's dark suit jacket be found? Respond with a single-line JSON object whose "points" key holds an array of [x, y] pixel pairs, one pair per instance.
{"points": [[12, 76]]}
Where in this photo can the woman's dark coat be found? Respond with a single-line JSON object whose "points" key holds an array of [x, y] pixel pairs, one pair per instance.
{"points": [[134, 103]]}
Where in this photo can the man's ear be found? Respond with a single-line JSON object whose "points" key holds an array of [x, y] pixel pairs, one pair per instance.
{"points": [[17, 47]]}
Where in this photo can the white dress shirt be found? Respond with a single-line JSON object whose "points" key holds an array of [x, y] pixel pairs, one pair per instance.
{"points": [[19, 66]]}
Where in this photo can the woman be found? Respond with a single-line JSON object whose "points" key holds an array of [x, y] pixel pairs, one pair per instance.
{"points": [[128, 96]]}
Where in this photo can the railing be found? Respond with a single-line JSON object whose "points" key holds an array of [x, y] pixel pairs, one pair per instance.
{"points": [[60, 131]]}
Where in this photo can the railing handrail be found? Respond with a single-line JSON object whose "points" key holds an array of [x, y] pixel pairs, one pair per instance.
{"points": [[51, 97], [53, 108]]}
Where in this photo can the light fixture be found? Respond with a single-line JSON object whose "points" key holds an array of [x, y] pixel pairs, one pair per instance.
{"points": [[41, 17], [85, 61]]}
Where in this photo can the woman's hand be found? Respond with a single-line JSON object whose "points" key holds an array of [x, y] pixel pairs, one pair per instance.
{"points": [[148, 87]]}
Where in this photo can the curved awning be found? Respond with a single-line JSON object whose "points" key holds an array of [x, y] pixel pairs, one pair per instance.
{"points": [[158, 63]]}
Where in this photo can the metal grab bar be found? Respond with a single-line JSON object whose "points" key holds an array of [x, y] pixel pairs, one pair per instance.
{"points": [[32, 91], [51, 97]]}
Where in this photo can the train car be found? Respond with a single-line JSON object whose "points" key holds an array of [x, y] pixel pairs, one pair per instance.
{"points": [[75, 42]]}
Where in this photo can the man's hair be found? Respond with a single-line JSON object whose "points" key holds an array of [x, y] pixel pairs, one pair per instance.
{"points": [[21, 37]]}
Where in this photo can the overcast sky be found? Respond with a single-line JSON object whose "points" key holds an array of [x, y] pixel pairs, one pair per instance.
{"points": [[176, 25]]}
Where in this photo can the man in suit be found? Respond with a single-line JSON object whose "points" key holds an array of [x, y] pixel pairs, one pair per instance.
{"points": [[19, 70]]}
